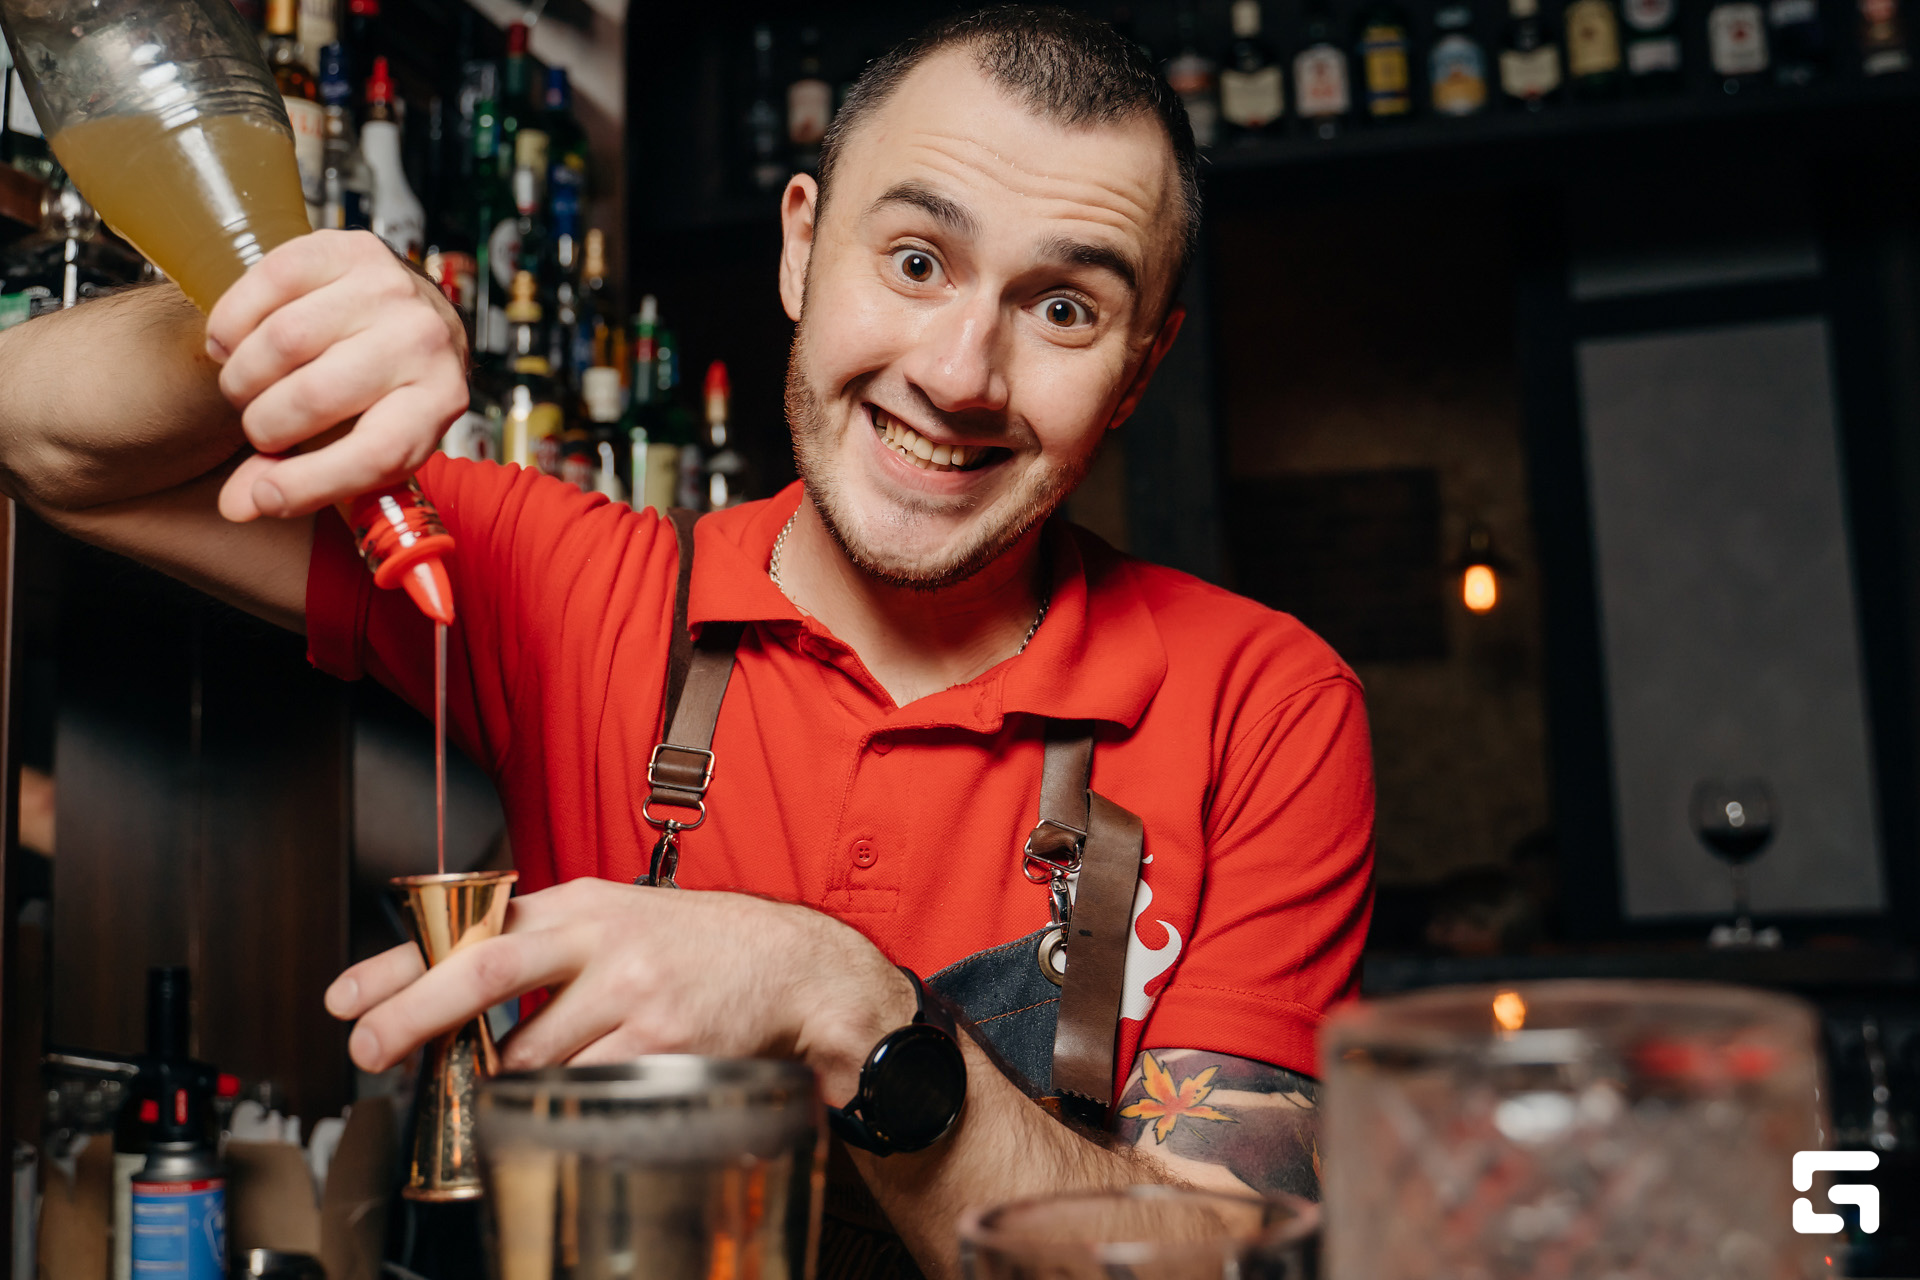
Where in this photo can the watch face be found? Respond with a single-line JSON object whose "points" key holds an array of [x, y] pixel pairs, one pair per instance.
{"points": [[914, 1085]]}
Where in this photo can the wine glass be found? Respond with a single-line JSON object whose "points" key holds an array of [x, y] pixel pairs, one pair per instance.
{"points": [[1734, 818]]}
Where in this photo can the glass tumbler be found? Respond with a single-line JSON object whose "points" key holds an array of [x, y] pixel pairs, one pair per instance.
{"points": [[1572, 1130], [673, 1167], [1142, 1233]]}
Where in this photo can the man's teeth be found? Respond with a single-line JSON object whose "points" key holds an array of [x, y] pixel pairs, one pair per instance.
{"points": [[922, 452]]}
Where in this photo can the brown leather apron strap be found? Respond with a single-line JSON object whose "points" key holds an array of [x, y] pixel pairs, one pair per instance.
{"points": [[681, 766], [1111, 842]]}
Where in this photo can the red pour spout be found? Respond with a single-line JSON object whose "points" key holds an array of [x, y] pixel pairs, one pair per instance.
{"points": [[405, 545]]}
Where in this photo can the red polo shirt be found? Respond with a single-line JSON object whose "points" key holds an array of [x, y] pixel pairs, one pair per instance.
{"points": [[1234, 732]]}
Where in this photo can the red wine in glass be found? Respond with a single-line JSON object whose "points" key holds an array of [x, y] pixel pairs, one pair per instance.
{"points": [[1734, 818]]}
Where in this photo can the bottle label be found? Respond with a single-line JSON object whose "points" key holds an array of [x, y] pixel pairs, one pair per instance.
{"points": [[316, 29], [1459, 74], [503, 251], [1650, 57], [309, 122], [1383, 51], [1648, 15], [180, 1230], [1593, 38], [1737, 37], [1252, 99], [809, 109], [1533, 74], [1320, 81]]}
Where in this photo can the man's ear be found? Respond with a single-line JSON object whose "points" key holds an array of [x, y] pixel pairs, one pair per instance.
{"points": [[1169, 330], [798, 203]]}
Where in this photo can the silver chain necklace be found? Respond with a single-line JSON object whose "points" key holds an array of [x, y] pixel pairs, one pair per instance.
{"points": [[780, 544]]}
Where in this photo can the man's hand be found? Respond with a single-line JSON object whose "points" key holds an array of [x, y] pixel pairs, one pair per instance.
{"points": [[637, 971], [326, 328]]}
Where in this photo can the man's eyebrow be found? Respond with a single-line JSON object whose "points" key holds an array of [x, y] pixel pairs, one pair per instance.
{"points": [[943, 209], [1067, 251]]}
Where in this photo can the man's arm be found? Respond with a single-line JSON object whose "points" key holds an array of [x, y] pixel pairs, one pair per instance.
{"points": [[133, 423]]}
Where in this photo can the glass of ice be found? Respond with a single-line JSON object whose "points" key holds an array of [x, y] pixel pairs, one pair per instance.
{"points": [[1573, 1130], [1142, 1233]]}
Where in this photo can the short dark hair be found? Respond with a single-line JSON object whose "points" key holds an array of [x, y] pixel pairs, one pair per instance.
{"points": [[1065, 66]]}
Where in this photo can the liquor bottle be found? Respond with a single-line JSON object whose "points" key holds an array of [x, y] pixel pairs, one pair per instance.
{"points": [[1653, 46], [397, 216], [675, 425], [809, 104], [1737, 43], [1530, 60], [1457, 65], [22, 144], [1190, 74], [566, 140], [302, 96], [592, 343], [1322, 91], [653, 471], [364, 34], [1253, 94], [561, 265], [489, 201], [515, 105], [1386, 63], [600, 399], [1798, 39], [346, 183], [317, 27], [1883, 39], [1593, 49], [523, 245], [533, 420], [726, 470], [763, 118]]}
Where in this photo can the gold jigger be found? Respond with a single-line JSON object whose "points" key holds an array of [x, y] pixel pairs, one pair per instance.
{"points": [[444, 914]]}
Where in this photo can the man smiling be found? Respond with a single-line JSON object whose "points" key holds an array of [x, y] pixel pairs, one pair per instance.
{"points": [[1118, 818]]}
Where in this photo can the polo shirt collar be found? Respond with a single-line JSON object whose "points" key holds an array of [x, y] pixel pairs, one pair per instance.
{"points": [[1097, 656]]}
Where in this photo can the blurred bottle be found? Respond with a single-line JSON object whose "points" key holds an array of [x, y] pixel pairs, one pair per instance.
{"points": [[1322, 84], [763, 118], [652, 464], [397, 217], [302, 97], [726, 469], [318, 26], [1253, 97], [561, 266], [532, 419], [566, 140], [593, 335], [677, 426], [528, 244], [1798, 38], [178, 1199], [1530, 59], [488, 204], [1653, 47], [1594, 63], [1883, 38], [600, 402], [1386, 63], [516, 106], [364, 33], [1737, 44], [809, 104], [346, 183], [1457, 64], [1191, 74]]}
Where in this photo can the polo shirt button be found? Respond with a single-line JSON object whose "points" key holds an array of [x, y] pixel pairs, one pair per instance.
{"points": [[882, 744], [864, 854]]}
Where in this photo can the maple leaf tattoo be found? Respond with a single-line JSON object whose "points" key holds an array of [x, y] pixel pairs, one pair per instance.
{"points": [[1167, 1104]]}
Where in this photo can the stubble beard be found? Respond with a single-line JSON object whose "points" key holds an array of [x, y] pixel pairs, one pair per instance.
{"points": [[863, 541]]}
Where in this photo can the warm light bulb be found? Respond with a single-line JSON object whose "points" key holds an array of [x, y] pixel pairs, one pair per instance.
{"points": [[1510, 1011], [1479, 588]]}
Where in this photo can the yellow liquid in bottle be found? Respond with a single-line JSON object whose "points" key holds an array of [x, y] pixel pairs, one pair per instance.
{"points": [[204, 201]]}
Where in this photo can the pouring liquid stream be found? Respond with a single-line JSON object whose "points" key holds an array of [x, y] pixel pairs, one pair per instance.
{"points": [[440, 747]]}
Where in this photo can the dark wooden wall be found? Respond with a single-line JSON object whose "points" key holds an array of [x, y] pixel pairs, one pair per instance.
{"points": [[202, 782]]}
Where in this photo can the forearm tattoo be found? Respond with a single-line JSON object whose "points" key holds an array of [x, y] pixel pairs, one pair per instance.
{"points": [[1254, 1120]]}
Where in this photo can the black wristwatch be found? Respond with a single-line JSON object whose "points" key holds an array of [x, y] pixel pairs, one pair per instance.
{"points": [[912, 1086]]}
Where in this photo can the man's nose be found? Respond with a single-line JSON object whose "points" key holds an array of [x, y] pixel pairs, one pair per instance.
{"points": [[958, 362]]}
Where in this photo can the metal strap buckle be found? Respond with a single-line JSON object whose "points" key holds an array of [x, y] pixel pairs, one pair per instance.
{"points": [[653, 762], [698, 806], [1038, 867]]}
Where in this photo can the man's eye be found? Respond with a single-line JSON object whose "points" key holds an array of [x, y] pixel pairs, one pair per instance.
{"points": [[1065, 313], [915, 265]]}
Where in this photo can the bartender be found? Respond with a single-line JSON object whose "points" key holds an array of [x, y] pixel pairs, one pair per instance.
{"points": [[1012, 838]]}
